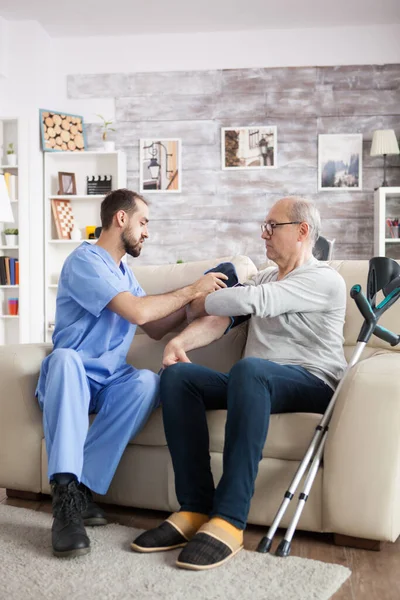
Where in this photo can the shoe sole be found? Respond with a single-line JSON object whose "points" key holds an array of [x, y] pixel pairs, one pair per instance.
{"points": [[191, 567], [162, 549], [71, 553], [95, 522]]}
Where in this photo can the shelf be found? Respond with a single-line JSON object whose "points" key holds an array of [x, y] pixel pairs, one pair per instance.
{"points": [[392, 240], [99, 152], [5, 247], [8, 167], [9, 316], [78, 197], [71, 241], [9, 286]]}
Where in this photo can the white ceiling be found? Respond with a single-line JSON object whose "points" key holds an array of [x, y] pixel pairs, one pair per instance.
{"points": [[73, 18]]}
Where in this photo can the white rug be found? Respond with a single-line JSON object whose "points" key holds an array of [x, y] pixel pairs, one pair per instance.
{"points": [[28, 570]]}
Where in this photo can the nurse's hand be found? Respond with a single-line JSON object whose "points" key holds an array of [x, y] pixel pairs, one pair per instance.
{"points": [[174, 353], [210, 283]]}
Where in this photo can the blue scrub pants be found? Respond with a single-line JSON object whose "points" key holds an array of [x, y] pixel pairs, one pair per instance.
{"points": [[122, 406]]}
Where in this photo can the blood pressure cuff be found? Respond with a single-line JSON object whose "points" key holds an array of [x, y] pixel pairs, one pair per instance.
{"points": [[229, 270]]}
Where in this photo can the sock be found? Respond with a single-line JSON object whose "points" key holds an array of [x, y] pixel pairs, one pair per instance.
{"points": [[235, 531], [196, 520], [63, 478]]}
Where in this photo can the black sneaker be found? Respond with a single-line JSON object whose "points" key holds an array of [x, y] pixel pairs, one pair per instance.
{"points": [[69, 537], [92, 515]]}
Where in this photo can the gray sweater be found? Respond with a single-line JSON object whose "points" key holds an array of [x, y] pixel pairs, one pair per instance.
{"points": [[295, 321]]}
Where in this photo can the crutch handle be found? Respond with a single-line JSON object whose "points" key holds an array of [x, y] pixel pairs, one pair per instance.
{"points": [[362, 303], [386, 335]]}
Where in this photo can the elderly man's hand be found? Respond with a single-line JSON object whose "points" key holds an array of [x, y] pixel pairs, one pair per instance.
{"points": [[174, 353]]}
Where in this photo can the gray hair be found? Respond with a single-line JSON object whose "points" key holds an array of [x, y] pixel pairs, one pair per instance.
{"points": [[305, 210]]}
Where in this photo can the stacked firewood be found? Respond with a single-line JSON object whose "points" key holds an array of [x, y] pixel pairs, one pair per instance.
{"points": [[62, 132]]}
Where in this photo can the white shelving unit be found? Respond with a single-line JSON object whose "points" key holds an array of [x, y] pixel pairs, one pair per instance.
{"points": [[386, 206], [14, 329], [85, 208]]}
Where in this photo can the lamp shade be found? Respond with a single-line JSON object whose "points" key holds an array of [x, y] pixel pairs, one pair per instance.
{"points": [[6, 215], [384, 141]]}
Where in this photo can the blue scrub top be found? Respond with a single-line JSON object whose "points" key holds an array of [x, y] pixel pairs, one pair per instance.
{"points": [[89, 280]]}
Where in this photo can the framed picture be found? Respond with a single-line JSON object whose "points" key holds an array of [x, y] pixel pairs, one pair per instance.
{"points": [[66, 184], [63, 218], [160, 165], [249, 147], [340, 161], [61, 132]]}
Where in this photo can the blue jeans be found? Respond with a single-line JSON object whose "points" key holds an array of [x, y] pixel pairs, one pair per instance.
{"points": [[254, 389]]}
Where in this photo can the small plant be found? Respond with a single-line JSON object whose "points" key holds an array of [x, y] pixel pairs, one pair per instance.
{"points": [[10, 149], [11, 232], [106, 127], [179, 262]]}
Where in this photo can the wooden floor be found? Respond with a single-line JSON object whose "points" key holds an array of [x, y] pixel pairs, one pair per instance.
{"points": [[375, 575]]}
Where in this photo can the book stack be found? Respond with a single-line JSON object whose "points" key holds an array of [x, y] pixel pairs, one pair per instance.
{"points": [[11, 183], [9, 271]]}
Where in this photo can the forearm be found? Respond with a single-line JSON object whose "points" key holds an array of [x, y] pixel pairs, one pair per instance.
{"points": [[157, 329], [202, 332], [153, 308]]}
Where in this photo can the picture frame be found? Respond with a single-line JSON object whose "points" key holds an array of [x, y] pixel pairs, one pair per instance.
{"points": [[254, 147], [66, 184], [62, 132], [340, 161], [160, 169]]}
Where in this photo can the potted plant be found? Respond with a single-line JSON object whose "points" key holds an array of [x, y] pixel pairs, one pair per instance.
{"points": [[108, 146], [11, 236], [11, 156]]}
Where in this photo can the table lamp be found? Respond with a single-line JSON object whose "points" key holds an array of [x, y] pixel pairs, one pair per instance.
{"points": [[384, 142]]}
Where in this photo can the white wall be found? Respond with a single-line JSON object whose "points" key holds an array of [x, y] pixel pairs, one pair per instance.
{"points": [[230, 50]]}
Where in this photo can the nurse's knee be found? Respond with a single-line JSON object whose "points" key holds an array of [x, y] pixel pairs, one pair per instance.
{"points": [[64, 357], [149, 386]]}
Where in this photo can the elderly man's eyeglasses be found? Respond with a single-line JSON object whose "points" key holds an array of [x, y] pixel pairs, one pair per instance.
{"points": [[269, 227]]}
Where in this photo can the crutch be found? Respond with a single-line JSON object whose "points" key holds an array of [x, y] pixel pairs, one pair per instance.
{"points": [[383, 275]]}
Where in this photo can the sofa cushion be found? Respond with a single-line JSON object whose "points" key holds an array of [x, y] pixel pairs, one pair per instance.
{"points": [[288, 437]]}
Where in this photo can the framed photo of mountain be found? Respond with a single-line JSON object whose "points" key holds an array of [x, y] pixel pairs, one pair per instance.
{"points": [[340, 161]]}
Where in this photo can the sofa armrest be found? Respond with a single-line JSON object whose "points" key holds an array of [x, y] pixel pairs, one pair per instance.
{"points": [[21, 431], [361, 490]]}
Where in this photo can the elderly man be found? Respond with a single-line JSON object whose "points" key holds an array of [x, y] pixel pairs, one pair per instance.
{"points": [[292, 362]]}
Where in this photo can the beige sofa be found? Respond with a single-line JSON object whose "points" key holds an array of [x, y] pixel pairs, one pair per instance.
{"points": [[356, 493]]}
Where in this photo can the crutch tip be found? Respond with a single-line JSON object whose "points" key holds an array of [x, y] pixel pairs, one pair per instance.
{"points": [[265, 545], [283, 549]]}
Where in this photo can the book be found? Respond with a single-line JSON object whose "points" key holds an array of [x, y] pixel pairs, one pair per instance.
{"points": [[7, 264], [2, 271], [12, 270]]}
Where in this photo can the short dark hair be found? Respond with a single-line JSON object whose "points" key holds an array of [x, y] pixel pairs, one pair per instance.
{"points": [[116, 200]]}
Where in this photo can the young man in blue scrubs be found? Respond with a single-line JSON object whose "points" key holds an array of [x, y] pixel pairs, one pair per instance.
{"points": [[99, 305]]}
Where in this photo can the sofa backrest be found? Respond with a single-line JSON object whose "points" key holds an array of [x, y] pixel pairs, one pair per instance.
{"points": [[159, 279]]}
